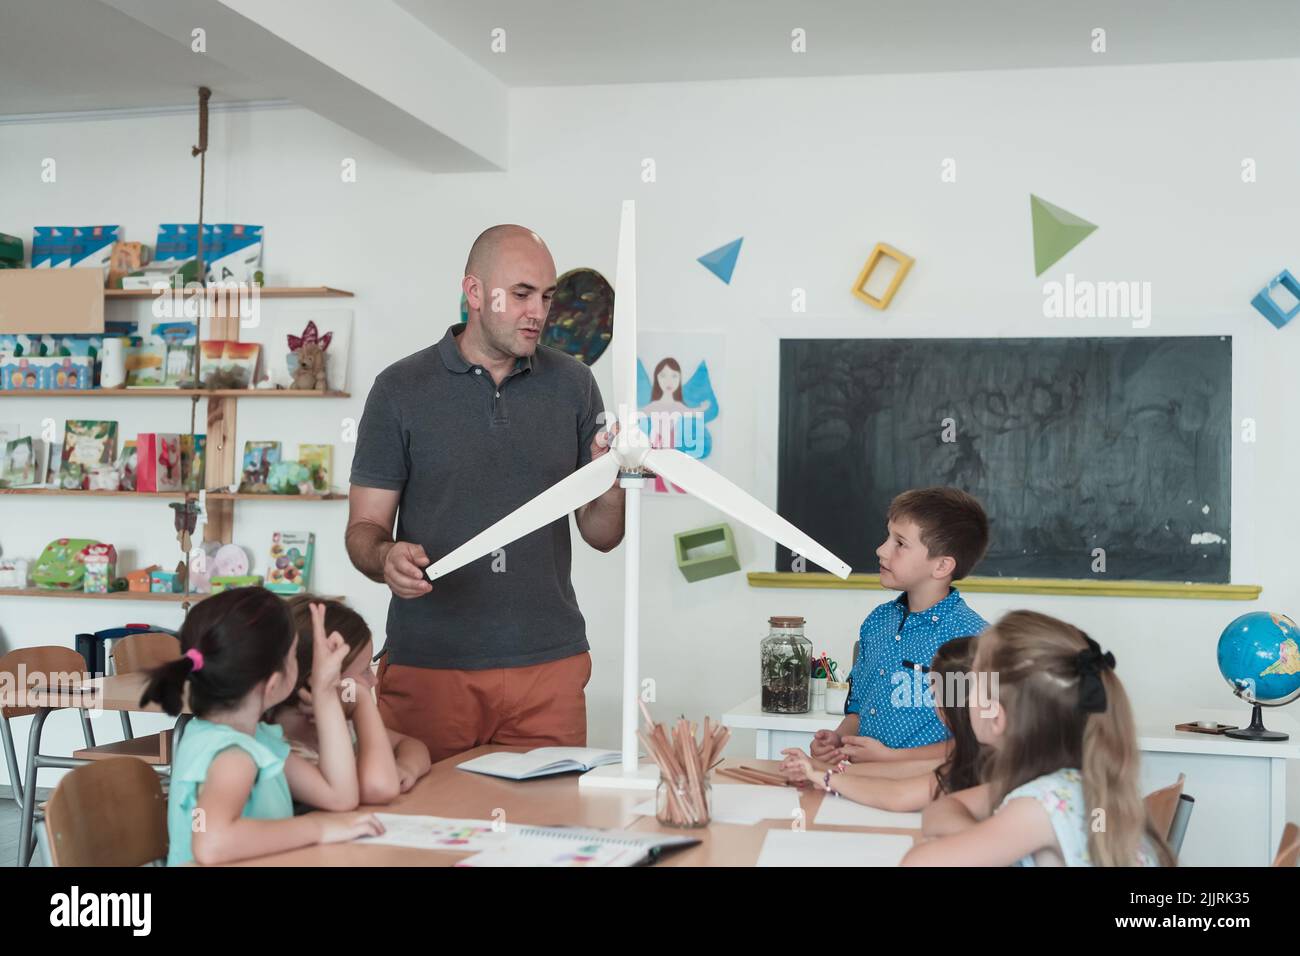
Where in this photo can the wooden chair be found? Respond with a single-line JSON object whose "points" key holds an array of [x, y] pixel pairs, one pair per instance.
{"points": [[108, 813], [16, 670], [142, 652], [1162, 804], [1288, 849]]}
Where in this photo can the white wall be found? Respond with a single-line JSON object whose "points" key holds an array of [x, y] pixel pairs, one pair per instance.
{"points": [[812, 173]]}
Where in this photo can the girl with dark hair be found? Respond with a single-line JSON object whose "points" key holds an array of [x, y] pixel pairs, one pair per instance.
{"points": [[914, 784], [233, 779]]}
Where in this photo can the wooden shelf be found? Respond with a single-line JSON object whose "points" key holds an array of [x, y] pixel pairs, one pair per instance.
{"points": [[76, 492], [169, 393], [264, 292], [212, 495], [1070, 586], [250, 496], [111, 596]]}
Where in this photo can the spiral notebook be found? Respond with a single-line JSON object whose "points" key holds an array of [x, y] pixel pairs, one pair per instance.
{"points": [[496, 843], [577, 847]]}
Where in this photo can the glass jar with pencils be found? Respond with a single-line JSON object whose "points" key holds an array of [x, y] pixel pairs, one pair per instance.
{"points": [[681, 802], [785, 657]]}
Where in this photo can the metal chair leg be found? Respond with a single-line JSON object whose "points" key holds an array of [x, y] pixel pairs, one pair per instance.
{"points": [[25, 844], [42, 846], [11, 760], [87, 730], [126, 725]]}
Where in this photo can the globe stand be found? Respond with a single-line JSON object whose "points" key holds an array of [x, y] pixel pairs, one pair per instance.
{"points": [[1256, 730]]}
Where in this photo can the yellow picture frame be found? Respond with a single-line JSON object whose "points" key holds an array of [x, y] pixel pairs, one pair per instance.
{"points": [[882, 250]]}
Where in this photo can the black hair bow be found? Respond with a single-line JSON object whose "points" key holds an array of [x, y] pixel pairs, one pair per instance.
{"points": [[1089, 663]]}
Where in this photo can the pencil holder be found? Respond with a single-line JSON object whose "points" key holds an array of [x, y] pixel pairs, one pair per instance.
{"points": [[818, 693], [681, 802], [837, 695]]}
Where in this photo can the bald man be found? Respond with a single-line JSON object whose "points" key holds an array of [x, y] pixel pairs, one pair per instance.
{"points": [[453, 438]]}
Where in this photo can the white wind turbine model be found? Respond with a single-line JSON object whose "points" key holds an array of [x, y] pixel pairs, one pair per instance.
{"points": [[629, 458]]}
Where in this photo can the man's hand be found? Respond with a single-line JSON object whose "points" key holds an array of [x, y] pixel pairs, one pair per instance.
{"points": [[600, 445], [404, 565], [600, 521]]}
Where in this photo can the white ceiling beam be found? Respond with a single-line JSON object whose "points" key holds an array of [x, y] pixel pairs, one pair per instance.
{"points": [[371, 68]]}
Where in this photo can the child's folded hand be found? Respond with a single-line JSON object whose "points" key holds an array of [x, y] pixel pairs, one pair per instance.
{"points": [[797, 766], [826, 746], [859, 749], [406, 778]]}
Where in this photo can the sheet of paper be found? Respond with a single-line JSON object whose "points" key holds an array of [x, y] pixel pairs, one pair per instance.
{"points": [[744, 803], [823, 848], [542, 852], [840, 812], [437, 833]]}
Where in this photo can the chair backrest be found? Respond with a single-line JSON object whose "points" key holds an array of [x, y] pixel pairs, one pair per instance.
{"points": [[1162, 804], [107, 813], [29, 667], [143, 651], [1288, 849], [1182, 816]]}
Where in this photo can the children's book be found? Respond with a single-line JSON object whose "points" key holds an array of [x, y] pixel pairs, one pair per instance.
{"points": [[319, 459], [541, 762], [22, 463], [86, 445], [259, 456]]}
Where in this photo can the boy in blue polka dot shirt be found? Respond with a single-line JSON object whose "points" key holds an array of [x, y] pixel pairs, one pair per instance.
{"points": [[936, 536]]}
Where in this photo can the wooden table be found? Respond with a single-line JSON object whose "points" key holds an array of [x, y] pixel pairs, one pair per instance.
{"points": [[557, 800], [1239, 785], [119, 693]]}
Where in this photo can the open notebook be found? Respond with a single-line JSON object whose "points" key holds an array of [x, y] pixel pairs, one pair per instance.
{"points": [[540, 762]]}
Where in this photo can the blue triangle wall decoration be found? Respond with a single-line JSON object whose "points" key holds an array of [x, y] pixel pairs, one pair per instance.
{"points": [[722, 261]]}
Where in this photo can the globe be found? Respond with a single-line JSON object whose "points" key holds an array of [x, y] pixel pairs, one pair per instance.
{"points": [[1259, 657]]}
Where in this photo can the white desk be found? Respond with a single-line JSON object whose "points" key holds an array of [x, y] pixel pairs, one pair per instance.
{"points": [[1239, 785], [775, 732]]}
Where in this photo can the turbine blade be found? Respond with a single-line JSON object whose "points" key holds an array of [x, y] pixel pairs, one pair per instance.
{"points": [[710, 487], [624, 339], [588, 482]]}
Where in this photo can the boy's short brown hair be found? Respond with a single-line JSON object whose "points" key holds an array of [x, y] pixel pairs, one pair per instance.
{"points": [[952, 523]]}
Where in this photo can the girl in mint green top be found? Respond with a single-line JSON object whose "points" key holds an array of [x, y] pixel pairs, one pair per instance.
{"points": [[234, 779], [269, 799]]}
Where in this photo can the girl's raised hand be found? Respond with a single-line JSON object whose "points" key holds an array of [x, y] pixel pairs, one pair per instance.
{"points": [[328, 653]]}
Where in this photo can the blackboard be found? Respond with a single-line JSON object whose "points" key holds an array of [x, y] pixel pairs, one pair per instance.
{"points": [[1072, 444]]}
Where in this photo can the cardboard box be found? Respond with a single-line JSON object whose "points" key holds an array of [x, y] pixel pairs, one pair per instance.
{"points": [[51, 300], [138, 580]]}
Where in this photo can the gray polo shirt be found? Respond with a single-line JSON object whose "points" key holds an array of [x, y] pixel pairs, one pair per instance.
{"points": [[465, 453]]}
